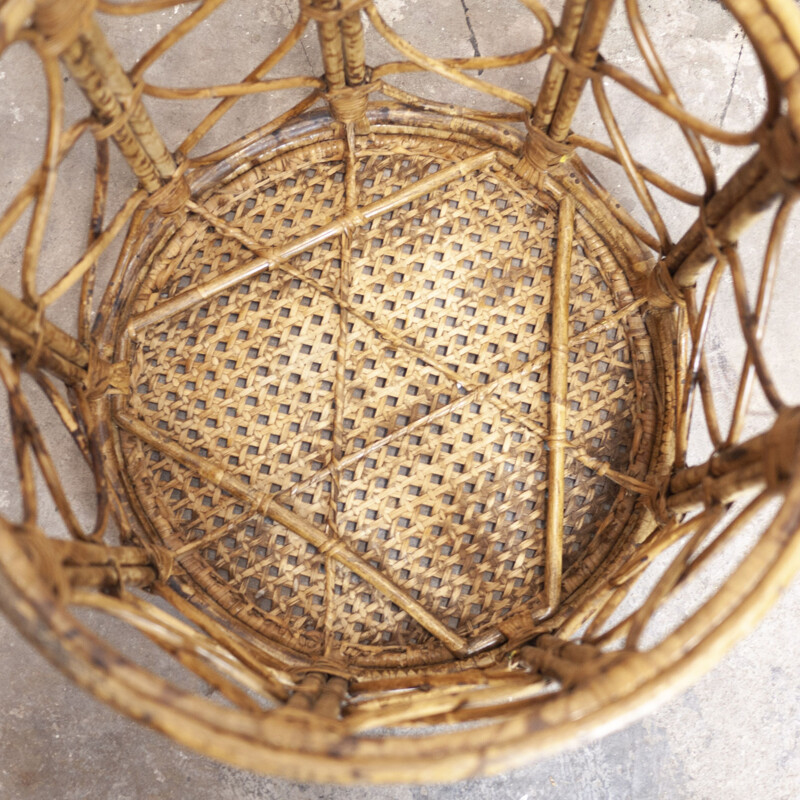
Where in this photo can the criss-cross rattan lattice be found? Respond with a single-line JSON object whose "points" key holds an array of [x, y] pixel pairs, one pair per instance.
{"points": [[394, 415]]}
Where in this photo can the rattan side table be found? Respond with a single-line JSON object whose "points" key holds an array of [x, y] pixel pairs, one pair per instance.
{"points": [[396, 417]]}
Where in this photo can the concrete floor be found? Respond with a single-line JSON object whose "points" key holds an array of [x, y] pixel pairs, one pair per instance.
{"points": [[733, 736]]}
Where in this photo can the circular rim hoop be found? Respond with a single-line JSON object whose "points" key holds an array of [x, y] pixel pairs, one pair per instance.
{"points": [[295, 745]]}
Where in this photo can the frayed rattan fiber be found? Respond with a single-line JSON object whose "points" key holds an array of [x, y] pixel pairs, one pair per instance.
{"points": [[390, 401]]}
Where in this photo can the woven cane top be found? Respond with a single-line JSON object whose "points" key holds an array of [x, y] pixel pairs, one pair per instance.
{"points": [[435, 470]]}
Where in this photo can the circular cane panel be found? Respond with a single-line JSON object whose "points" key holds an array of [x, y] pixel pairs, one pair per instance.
{"points": [[389, 385]]}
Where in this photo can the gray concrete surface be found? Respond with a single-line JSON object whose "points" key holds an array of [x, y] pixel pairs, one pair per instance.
{"points": [[733, 736]]}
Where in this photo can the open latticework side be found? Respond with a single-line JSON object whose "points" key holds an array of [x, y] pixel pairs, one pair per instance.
{"points": [[395, 417]]}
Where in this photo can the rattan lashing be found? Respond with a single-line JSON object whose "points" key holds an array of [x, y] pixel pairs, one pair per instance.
{"points": [[391, 400]]}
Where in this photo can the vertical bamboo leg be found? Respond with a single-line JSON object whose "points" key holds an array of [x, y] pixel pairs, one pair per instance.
{"points": [[109, 577], [88, 565], [355, 67], [727, 226], [319, 693], [15, 313], [342, 45], [139, 120], [306, 694], [54, 349], [329, 703], [748, 192], [586, 47], [330, 41], [14, 14], [559, 359], [763, 461], [40, 343], [97, 72], [566, 35], [76, 553], [566, 661]]}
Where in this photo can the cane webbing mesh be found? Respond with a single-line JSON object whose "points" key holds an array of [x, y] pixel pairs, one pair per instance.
{"points": [[442, 474]]}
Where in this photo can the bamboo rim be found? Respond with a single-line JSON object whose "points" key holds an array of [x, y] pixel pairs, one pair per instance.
{"points": [[530, 683]]}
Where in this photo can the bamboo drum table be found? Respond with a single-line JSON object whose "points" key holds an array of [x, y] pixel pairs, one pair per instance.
{"points": [[400, 432]]}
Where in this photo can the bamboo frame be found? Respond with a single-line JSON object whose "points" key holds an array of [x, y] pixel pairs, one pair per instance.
{"points": [[97, 71], [625, 354]]}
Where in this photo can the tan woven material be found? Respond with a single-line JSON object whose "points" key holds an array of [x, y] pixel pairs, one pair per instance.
{"points": [[430, 458], [393, 402]]}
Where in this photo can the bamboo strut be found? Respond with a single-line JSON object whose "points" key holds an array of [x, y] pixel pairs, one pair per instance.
{"points": [[257, 74], [59, 352], [559, 364], [94, 251], [192, 648], [659, 542], [585, 53], [763, 461], [765, 289], [442, 66], [259, 660], [660, 76], [116, 102], [473, 62], [230, 90], [670, 188], [626, 160], [662, 103], [697, 366], [336, 549], [273, 257], [566, 35], [746, 193], [109, 578]]}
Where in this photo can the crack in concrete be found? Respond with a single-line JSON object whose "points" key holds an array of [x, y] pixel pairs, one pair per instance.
{"points": [[290, 9], [733, 81], [472, 38], [305, 53]]}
